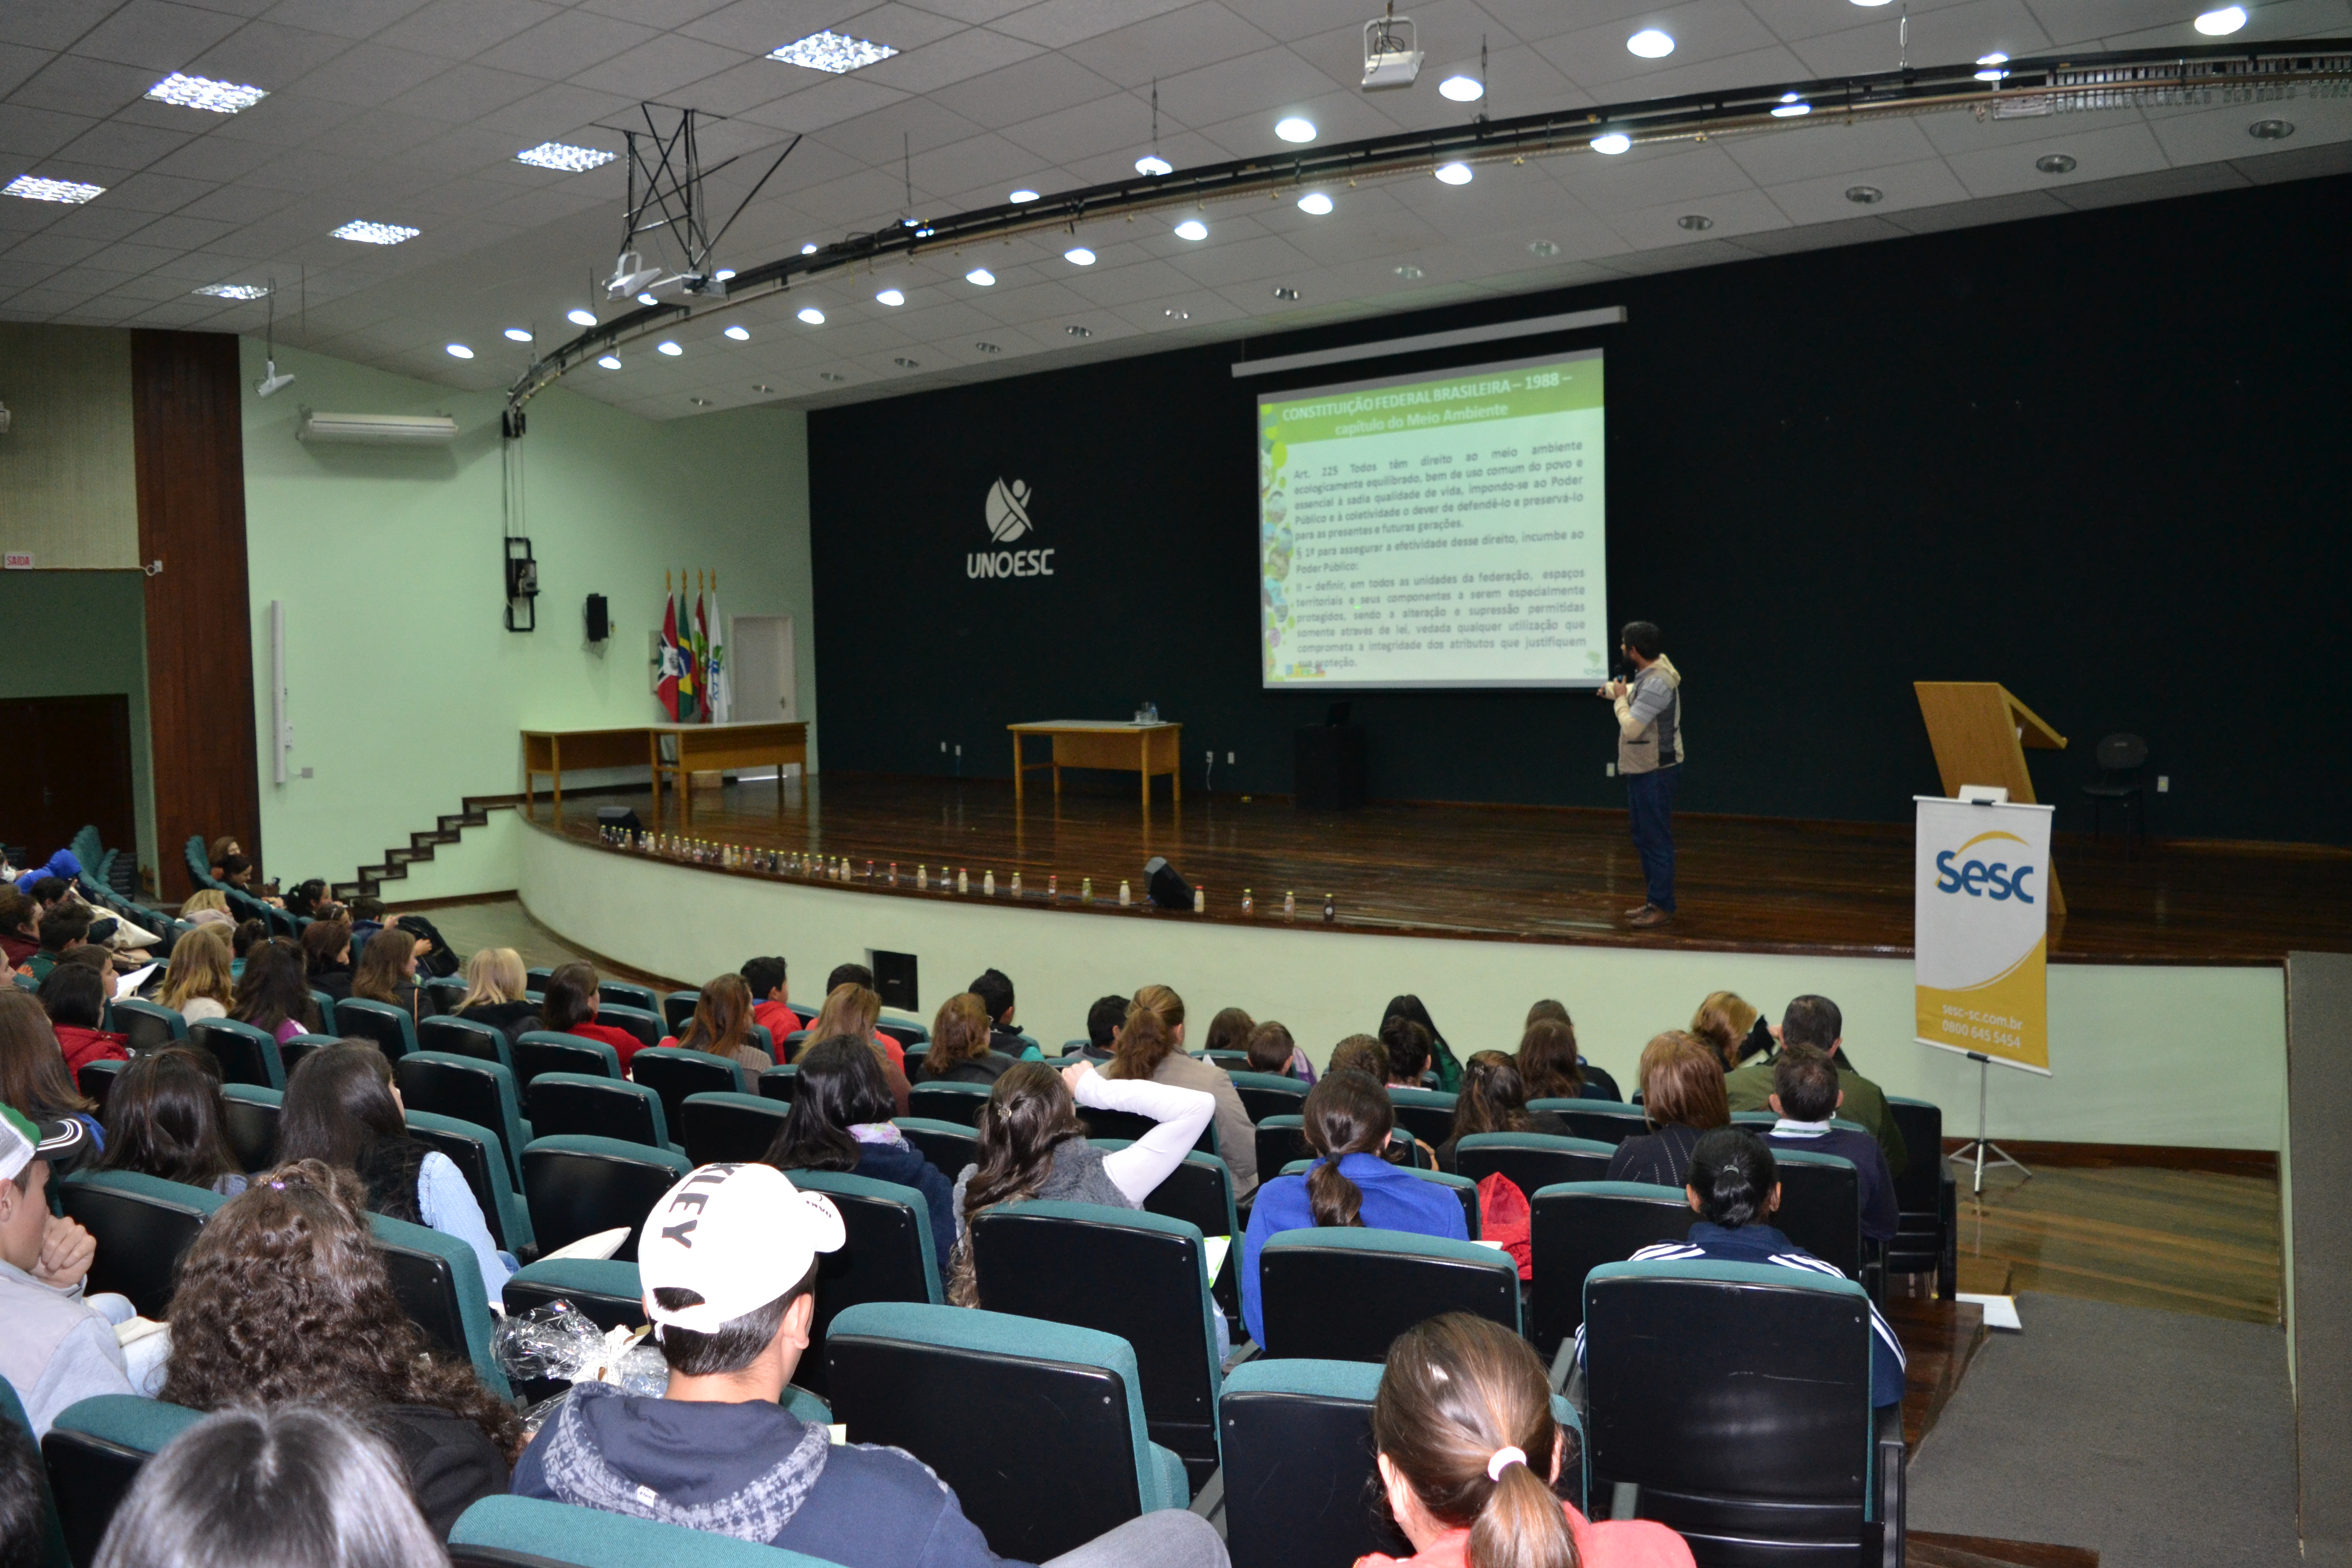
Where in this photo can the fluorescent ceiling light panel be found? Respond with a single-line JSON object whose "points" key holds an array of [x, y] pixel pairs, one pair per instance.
{"points": [[235, 290], [891, 297], [1153, 163], [1789, 107], [203, 92], [837, 53], [367, 233], [1078, 255], [1454, 173], [2222, 22], [1023, 194], [1611, 142], [564, 158], [979, 276], [1315, 203], [33, 188]]}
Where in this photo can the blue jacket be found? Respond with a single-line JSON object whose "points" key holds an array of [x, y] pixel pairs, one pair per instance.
{"points": [[1394, 1199], [904, 1164], [1762, 1244], [1879, 1214]]}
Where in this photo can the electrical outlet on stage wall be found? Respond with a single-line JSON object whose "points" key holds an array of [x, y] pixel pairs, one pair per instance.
{"points": [[2164, 783], [1609, 770]]}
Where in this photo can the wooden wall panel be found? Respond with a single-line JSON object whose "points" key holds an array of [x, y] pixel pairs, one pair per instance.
{"points": [[188, 431]]}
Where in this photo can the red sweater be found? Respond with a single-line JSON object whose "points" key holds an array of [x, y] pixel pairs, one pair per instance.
{"points": [[83, 1047], [626, 1044], [778, 1021]]}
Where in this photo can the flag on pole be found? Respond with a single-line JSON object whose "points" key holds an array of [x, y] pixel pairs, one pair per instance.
{"points": [[689, 688], [665, 680], [720, 688], [701, 658]]}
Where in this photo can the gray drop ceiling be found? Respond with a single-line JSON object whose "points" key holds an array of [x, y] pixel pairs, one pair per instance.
{"points": [[409, 111]]}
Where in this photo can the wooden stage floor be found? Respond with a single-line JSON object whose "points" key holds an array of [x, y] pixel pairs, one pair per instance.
{"points": [[1506, 873]]}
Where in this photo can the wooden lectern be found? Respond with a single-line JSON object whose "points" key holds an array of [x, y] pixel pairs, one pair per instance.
{"points": [[1980, 731]]}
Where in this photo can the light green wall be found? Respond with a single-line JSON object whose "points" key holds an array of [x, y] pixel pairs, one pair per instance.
{"points": [[69, 472], [406, 691], [2124, 1040], [84, 633]]}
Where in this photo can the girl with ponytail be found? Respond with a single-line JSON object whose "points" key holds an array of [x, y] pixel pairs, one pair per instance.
{"points": [[1468, 1451], [1349, 1118]]}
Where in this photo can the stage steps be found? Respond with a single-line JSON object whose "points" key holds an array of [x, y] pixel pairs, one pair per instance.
{"points": [[370, 879]]}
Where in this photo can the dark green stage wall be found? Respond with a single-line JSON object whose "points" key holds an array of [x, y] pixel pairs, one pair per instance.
{"points": [[2104, 458]]}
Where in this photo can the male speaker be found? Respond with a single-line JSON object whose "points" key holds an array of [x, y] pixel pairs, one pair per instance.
{"points": [[1164, 885]]}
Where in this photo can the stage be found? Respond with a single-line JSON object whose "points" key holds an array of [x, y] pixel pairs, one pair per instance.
{"points": [[1509, 874]]}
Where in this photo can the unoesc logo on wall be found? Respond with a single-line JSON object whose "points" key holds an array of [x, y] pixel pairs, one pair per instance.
{"points": [[1981, 930], [1007, 513]]}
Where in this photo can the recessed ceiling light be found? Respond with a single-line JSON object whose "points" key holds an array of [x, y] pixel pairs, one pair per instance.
{"points": [[610, 361], [1284, 291], [808, 250], [903, 363], [1173, 314], [1192, 228], [830, 376], [891, 297], [1992, 63], [33, 188], [1864, 195], [761, 386], [1869, 1], [1652, 44], [1079, 331], [564, 158], [648, 299], [1023, 194], [365, 233], [1078, 255], [580, 318], [723, 274], [1153, 163], [979, 276], [1695, 222], [517, 335], [1611, 142], [1462, 88], [457, 350], [1789, 107], [235, 290], [988, 348], [837, 53], [2055, 163], [1454, 173], [2271, 130], [1410, 273], [203, 92], [669, 347], [2222, 23], [811, 315], [741, 334], [1542, 248], [1294, 128], [699, 402], [1315, 203]]}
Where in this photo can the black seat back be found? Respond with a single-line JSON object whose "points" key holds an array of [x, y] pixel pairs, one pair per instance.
{"points": [[1578, 1226], [950, 1146], [677, 1009], [426, 1288], [1531, 1160], [1925, 1194], [645, 1024], [1268, 1094], [146, 1026], [728, 1127], [607, 1311], [243, 1056], [537, 1052], [455, 1088], [885, 1259], [776, 1083], [569, 1103], [462, 1038], [380, 1025], [950, 1102], [1344, 1294], [143, 1227], [1427, 1114], [467, 1152], [88, 1477], [1603, 1122], [251, 1121], [578, 1187], [1821, 1208], [676, 1073], [96, 1081], [1304, 1441]]}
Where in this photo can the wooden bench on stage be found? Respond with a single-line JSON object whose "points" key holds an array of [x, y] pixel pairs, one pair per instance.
{"points": [[697, 748], [1122, 745]]}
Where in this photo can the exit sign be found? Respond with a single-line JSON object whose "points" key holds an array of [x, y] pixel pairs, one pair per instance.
{"points": [[16, 560]]}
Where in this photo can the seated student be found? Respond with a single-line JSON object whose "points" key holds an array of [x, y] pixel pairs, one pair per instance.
{"points": [[243, 938], [240, 873], [1360, 1052], [1806, 1097], [327, 958], [848, 974], [273, 990], [1815, 1021], [367, 916], [20, 926], [960, 1044], [196, 982], [290, 1487], [721, 1027], [1103, 1020], [1228, 1031], [1731, 1027], [35, 1082], [63, 867], [729, 1263], [1142, 1054], [1033, 1145], [496, 987], [840, 1120], [24, 1505], [1549, 1065], [1682, 1101], [164, 1118], [1734, 1186], [1348, 1120], [63, 929], [1597, 1084], [1271, 1049], [311, 900], [994, 990], [568, 1007], [59, 1348], [770, 998], [1408, 1049], [851, 1009], [1495, 1099], [204, 899], [1467, 1451], [74, 997], [387, 970], [283, 1299], [341, 1108], [1442, 1058], [218, 857]]}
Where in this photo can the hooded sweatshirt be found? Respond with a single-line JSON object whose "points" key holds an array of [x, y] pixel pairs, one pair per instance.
{"points": [[753, 1471], [62, 866], [1650, 720]]}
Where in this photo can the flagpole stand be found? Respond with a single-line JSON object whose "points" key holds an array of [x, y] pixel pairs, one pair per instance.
{"points": [[1980, 1146]]}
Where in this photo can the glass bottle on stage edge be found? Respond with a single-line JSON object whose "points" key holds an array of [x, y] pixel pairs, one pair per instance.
{"points": [[1249, 903], [1330, 910], [1126, 895], [1290, 906]]}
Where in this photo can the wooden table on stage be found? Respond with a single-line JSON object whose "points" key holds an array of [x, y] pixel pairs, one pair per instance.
{"points": [[698, 748], [1148, 749]]}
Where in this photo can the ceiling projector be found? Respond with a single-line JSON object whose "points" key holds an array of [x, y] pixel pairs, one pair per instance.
{"points": [[1389, 58], [630, 274]]}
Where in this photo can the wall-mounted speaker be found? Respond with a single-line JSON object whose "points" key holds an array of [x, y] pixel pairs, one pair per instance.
{"points": [[600, 624]]}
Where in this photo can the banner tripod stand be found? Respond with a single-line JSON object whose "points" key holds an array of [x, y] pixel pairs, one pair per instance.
{"points": [[1976, 1149]]}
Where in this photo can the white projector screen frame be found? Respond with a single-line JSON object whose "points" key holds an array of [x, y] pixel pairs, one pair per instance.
{"points": [[1444, 530]]}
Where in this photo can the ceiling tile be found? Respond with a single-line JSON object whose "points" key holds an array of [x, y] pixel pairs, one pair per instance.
{"points": [[344, 19], [79, 85], [970, 53], [461, 29], [1057, 23], [156, 192], [54, 24], [2099, 155], [155, 35], [368, 74], [124, 146], [1170, 43], [658, 67], [565, 45]]}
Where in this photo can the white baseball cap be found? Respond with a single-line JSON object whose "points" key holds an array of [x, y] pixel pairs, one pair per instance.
{"points": [[737, 1236]]}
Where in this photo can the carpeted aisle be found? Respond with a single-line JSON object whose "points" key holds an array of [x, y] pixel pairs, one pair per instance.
{"points": [[2155, 1438]]}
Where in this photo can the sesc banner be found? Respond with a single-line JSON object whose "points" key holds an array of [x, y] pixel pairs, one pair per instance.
{"points": [[1981, 930]]}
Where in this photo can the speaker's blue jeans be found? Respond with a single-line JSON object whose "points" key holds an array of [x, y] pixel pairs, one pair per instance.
{"points": [[1650, 799]]}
